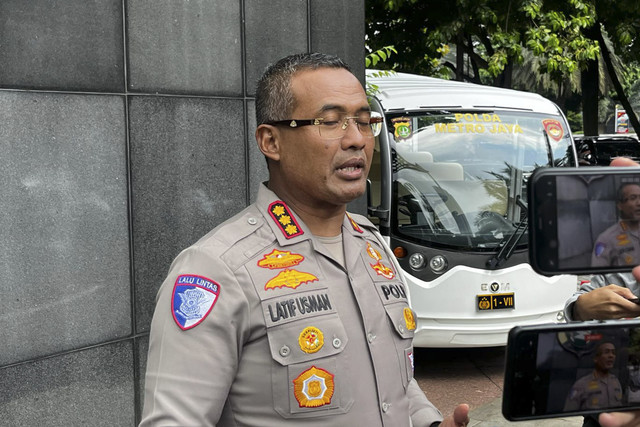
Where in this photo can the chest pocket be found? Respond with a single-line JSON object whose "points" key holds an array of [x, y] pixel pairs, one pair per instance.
{"points": [[402, 319], [307, 378]]}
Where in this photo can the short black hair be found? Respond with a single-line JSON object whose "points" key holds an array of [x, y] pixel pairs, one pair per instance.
{"points": [[274, 99]]}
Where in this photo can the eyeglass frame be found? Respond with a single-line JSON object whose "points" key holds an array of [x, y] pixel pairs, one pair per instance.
{"points": [[296, 123]]}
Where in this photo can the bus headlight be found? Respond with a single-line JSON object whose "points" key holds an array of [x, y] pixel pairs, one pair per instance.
{"points": [[417, 261], [438, 264]]}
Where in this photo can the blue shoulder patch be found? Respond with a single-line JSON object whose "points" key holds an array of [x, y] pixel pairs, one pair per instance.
{"points": [[193, 299], [599, 248]]}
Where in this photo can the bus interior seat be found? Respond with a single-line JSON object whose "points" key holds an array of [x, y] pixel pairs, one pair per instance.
{"points": [[446, 171]]}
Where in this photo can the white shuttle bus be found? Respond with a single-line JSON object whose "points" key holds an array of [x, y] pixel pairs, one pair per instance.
{"points": [[448, 190]]}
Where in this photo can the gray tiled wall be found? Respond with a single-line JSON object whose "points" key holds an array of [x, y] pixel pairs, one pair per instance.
{"points": [[126, 133]]}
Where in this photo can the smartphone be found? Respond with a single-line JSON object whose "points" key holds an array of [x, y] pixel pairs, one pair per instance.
{"points": [[569, 369], [584, 220]]}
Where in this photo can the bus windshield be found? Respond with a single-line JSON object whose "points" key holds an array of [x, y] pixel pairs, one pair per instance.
{"points": [[457, 176]]}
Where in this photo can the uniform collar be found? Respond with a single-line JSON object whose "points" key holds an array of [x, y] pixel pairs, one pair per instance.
{"points": [[289, 228]]}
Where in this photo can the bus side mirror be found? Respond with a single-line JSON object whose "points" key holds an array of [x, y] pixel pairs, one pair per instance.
{"points": [[383, 214]]}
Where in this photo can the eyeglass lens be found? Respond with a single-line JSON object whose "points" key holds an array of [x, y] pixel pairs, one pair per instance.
{"points": [[336, 127]]}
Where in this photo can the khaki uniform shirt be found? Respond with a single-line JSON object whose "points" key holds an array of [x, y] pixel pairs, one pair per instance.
{"points": [[257, 325], [590, 392], [616, 246]]}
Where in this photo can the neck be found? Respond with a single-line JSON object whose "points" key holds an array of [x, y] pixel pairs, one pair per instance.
{"points": [[633, 225]]}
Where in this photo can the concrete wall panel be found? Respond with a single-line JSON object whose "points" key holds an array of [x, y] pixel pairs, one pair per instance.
{"points": [[188, 47], [64, 234], [127, 133], [188, 175], [273, 29], [93, 387], [62, 44]]}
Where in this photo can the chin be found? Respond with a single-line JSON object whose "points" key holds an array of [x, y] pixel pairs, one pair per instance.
{"points": [[350, 196]]}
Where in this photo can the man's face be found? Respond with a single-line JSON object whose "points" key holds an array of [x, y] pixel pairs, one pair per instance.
{"points": [[605, 357], [318, 171], [630, 205]]}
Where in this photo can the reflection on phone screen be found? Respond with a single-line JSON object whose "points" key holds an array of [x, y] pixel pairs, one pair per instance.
{"points": [[577, 372], [598, 220]]}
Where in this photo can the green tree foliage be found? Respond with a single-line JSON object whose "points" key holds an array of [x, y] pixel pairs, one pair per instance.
{"points": [[484, 41], [375, 58], [490, 35]]}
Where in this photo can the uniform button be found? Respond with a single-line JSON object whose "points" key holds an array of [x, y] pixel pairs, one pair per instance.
{"points": [[401, 328], [337, 342], [284, 351], [252, 221], [385, 406], [370, 337]]}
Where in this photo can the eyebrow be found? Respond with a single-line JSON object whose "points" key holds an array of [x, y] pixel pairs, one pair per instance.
{"points": [[332, 107]]}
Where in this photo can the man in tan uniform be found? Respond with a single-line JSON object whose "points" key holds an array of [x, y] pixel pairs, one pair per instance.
{"points": [[599, 389], [619, 245], [292, 312]]}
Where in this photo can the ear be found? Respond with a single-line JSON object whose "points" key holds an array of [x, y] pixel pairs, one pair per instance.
{"points": [[268, 139]]}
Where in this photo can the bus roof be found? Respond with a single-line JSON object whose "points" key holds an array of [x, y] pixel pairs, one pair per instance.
{"points": [[410, 92]]}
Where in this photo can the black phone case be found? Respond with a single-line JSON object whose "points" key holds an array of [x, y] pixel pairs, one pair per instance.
{"points": [[548, 230], [523, 383]]}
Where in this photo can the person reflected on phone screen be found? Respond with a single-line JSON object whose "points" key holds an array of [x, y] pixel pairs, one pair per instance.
{"points": [[619, 245], [600, 388]]}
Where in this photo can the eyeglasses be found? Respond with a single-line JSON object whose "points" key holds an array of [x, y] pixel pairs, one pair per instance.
{"points": [[336, 127]]}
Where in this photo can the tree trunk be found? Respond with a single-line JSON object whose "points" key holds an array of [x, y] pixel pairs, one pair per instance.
{"points": [[460, 58], [505, 79], [633, 119], [589, 82]]}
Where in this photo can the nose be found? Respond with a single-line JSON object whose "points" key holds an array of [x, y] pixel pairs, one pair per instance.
{"points": [[353, 138]]}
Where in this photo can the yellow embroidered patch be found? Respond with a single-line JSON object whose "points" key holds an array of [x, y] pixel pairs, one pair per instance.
{"points": [[311, 339], [373, 253], [284, 219], [383, 270], [354, 224], [314, 387], [280, 259], [290, 279], [409, 319]]}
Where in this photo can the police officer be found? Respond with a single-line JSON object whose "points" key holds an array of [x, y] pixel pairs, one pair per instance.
{"points": [[600, 388], [292, 312], [619, 245]]}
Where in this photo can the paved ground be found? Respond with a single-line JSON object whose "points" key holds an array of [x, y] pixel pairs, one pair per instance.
{"points": [[473, 376]]}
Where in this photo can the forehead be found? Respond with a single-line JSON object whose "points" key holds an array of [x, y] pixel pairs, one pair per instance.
{"points": [[631, 188], [606, 347], [335, 88]]}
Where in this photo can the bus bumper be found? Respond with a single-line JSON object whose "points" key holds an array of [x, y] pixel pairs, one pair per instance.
{"points": [[449, 313]]}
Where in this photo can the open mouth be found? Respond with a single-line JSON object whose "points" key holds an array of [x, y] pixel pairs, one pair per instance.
{"points": [[352, 169], [349, 169], [354, 166]]}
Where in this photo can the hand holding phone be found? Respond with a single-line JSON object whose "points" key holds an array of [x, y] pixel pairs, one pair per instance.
{"points": [[609, 302], [620, 419]]}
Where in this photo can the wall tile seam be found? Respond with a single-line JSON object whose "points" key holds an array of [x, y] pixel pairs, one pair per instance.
{"points": [[131, 338], [127, 94]]}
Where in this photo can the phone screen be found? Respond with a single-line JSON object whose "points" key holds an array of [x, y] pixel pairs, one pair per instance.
{"points": [[572, 370], [584, 220]]}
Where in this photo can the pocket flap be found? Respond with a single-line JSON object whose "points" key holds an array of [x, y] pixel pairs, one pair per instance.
{"points": [[402, 318], [308, 339]]}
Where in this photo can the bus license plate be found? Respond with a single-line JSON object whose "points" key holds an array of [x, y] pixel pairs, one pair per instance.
{"points": [[495, 301]]}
